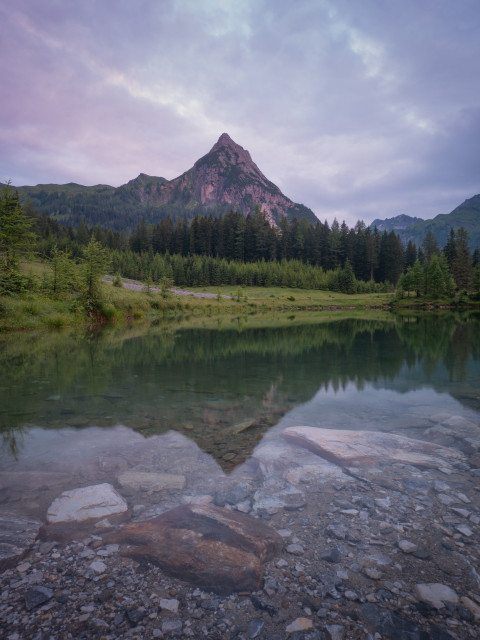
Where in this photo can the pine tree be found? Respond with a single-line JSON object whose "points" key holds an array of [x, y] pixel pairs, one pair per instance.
{"points": [[15, 234], [450, 249], [462, 264], [475, 281], [95, 262], [417, 278], [435, 278], [430, 246], [410, 254]]}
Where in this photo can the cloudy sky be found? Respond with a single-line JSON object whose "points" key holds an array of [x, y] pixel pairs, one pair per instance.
{"points": [[357, 109]]}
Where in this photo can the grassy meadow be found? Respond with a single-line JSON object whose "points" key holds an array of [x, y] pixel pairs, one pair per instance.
{"points": [[35, 309]]}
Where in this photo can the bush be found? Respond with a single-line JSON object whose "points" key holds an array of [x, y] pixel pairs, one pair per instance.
{"points": [[12, 282], [117, 281], [108, 311], [56, 321]]}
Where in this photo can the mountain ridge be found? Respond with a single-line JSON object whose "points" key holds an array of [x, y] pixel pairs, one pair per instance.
{"points": [[466, 215], [223, 179]]}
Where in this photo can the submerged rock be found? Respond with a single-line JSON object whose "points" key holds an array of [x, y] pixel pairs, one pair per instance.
{"points": [[211, 547], [86, 503], [145, 481], [363, 448], [17, 535]]}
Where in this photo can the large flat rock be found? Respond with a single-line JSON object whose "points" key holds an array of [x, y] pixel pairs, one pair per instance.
{"points": [[17, 535], [86, 503], [362, 448], [211, 547]]}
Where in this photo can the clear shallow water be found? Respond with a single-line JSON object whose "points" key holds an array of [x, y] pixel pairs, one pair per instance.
{"points": [[63, 397]]}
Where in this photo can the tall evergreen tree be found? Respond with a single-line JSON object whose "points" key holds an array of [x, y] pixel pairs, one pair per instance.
{"points": [[450, 249], [462, 264], [15, 234], [430, 246]]}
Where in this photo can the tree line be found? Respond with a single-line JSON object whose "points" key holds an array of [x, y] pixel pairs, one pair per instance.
{"points": [[247, 250]]}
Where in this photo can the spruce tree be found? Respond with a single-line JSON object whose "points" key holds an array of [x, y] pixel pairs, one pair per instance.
{"points": [[462, 264]]}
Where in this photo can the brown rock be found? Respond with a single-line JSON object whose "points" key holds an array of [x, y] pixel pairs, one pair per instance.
{"points": [[347, 448], [211, 547]]}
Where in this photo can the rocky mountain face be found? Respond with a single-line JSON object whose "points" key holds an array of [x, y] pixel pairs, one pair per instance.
{"points": [[466, 215], [225, 178]]}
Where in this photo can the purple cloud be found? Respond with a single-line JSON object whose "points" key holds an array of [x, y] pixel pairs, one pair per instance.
{"points": [[357, 110]]}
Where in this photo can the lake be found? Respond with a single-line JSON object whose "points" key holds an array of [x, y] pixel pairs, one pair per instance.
{"points": [[81, 410], [307, 475]]}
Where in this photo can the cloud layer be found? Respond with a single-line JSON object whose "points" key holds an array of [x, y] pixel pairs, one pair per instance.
{"points": [[355, 109]]}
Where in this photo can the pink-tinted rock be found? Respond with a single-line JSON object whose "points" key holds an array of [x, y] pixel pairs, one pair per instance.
{"points": [[208, 546], [351, 448]]}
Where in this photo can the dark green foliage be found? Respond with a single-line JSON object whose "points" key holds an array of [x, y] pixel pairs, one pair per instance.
{"points": [[95, 262], [15, 240], [15, 234], [462, 267]]}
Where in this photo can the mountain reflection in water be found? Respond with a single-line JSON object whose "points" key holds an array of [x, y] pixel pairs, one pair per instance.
{"points": [[225, 389]]}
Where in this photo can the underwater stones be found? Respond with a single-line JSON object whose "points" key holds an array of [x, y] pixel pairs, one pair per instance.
{"points": [[17, 535], [211, 547], [362, 448], [86, 503], [32, 480], [146, 481]]}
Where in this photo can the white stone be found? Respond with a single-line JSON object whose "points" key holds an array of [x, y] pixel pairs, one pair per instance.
{"points": [[170, 604], [98, 566], [85, 503], [406, 546], [436, 594], [295, 549]]}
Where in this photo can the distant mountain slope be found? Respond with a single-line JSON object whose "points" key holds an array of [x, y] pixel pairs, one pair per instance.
{"points": [[225, 178], [466, 215], [395, 224]]}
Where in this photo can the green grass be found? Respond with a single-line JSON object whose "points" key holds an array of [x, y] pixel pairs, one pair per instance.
{"points": [[279, 297], [231, 304]]}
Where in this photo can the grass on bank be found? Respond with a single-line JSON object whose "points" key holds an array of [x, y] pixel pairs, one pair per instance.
{"points": [[37, 309]]}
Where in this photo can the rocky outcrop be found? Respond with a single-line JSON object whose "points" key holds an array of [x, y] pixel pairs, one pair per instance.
{"points": [[363, 448], [208, 546]]}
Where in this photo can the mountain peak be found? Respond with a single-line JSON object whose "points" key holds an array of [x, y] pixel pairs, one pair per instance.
{"points": [[226, 144], [225, 139]]}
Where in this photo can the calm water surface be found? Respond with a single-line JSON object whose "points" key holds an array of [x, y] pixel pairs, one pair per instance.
{"points": [[64, 398]]}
